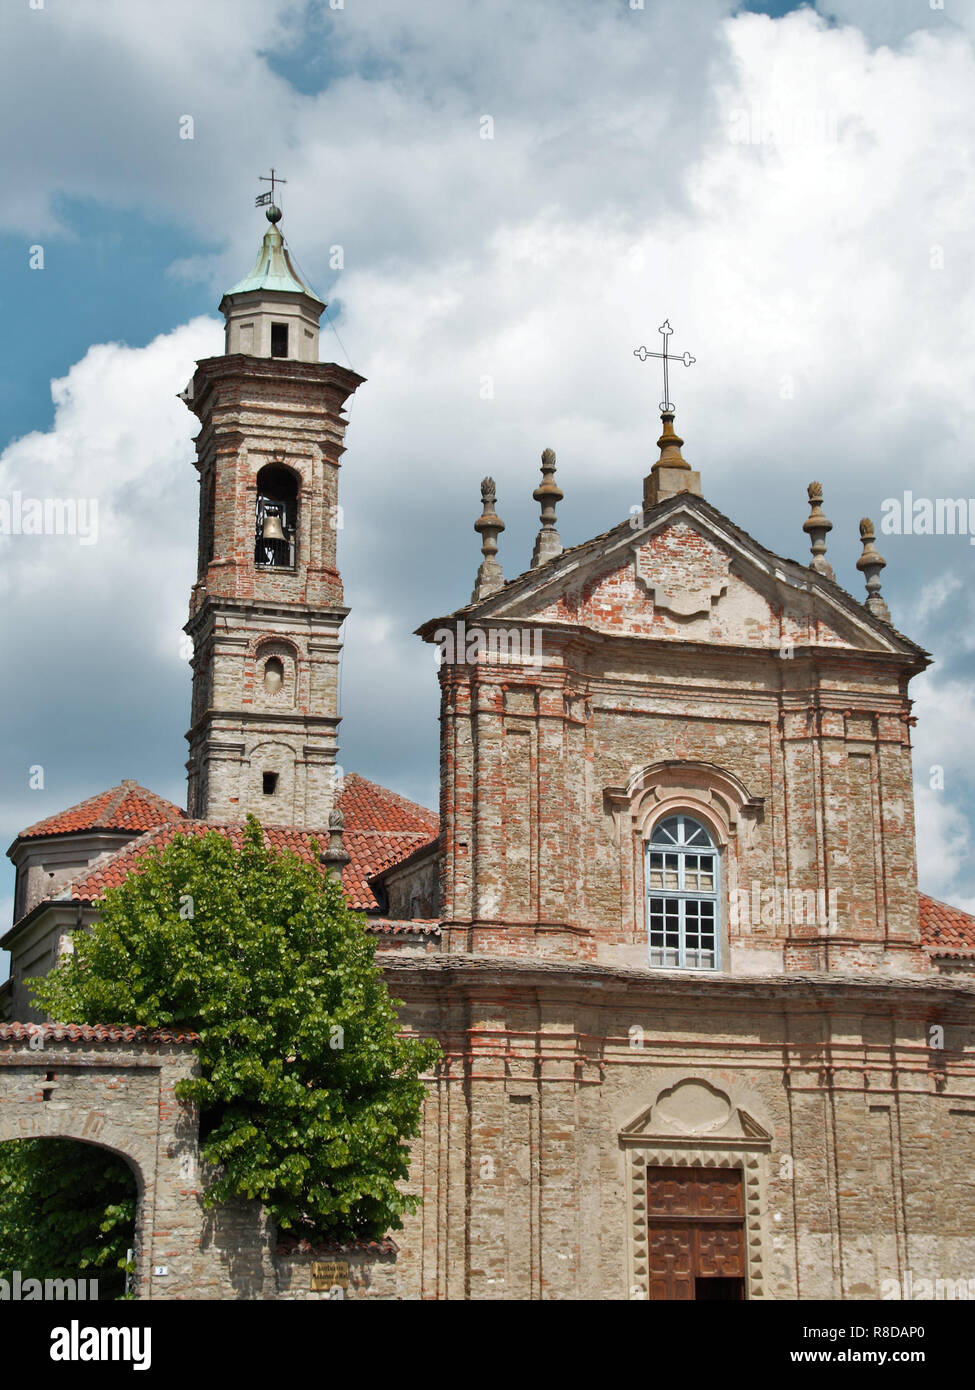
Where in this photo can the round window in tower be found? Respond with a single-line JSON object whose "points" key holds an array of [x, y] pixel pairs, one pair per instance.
{"points": [[273, 675]]}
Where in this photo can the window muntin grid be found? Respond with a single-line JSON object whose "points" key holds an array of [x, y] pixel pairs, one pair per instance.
{"points": [[682, 896]]}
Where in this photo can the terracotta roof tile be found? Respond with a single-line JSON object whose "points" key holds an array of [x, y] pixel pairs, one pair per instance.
{"points": [[381, 829], [293, 1245], [125, 807], [371, 851], [97, 1032], [367, 806], [946, 930], [415, 926]]}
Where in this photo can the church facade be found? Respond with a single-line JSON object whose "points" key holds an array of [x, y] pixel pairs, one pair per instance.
{"points": [[703, 1038]]}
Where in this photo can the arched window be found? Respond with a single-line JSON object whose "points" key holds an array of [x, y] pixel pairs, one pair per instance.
{"points": [[276, 519], [682, 895]]}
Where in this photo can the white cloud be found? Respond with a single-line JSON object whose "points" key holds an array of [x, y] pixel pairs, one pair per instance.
{"points": [[896, 20], [945, 711], [93, 632], [120, 437], [930, 602], [795, 264], [944, 844], [94, 92], [944, 777]]}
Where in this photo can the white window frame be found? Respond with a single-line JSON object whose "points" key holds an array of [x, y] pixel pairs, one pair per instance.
{"points": [[681, 895]]}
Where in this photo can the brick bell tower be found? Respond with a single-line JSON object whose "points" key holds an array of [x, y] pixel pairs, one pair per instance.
{"points": [[266, 608]]}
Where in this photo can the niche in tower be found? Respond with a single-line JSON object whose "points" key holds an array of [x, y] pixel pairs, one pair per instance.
{"points": [[273, 675], [275, 670], [276, 518]]}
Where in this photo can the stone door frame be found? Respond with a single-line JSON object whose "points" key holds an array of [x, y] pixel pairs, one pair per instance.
{"points": [[744, 1144]]}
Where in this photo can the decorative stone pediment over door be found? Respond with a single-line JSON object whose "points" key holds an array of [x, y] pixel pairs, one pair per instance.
{"points": [[693, 1124]]}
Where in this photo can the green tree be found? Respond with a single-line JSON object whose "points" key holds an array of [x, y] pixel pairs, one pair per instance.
{"points": [[67, 1211], [307, 1093]]}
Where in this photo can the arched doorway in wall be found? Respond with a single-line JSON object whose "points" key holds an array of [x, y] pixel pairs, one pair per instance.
{"points": [[68, 1216]]}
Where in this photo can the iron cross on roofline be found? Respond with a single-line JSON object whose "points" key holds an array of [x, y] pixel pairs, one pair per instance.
{"points": [[643, 353], [263, 199]]}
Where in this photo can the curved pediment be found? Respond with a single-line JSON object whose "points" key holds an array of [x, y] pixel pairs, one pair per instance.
{"points": [[694, 1111]]}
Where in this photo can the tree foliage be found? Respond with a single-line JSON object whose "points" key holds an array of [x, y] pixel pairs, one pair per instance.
{"points": [[67, 1211], [307, 1092]]}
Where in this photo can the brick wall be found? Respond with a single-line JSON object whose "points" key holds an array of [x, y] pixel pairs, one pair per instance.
{"points": [[851, 1132], [116, 1088], [665, 672], [255, 412], [121, 1095]]}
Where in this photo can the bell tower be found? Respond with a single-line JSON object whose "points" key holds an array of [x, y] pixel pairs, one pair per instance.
{"points": [[266, 608]]}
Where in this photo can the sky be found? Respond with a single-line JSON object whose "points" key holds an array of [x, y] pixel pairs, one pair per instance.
{"points": [[521, 194]]}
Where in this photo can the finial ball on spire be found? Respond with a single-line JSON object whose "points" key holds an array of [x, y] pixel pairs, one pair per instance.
{"points": [[870, 563], [273, 214], [489, 526], [548, 494], [817, 526]]}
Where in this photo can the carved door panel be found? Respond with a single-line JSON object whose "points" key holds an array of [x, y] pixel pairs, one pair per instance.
{"points": [[719, 1252], [696, 1235], [671, 1261]]}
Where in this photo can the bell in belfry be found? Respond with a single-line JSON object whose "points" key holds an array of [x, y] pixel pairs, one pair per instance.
{"points": [[272, 529]]}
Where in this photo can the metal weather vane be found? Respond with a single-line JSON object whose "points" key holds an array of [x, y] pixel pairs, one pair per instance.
{"points": [[263, 199], [643, 353]]}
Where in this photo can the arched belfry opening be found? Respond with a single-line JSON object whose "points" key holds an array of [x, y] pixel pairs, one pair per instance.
{"points": [[276, 518]]}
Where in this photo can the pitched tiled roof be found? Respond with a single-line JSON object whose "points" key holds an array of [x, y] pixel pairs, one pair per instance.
{"points": [[946, 930], [370, 852], [125, 807], [381, 829], [97, 1032], [368, 807]]}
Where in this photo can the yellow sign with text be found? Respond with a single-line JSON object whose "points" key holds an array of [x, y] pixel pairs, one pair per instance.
{"points": [[326, 1274]]}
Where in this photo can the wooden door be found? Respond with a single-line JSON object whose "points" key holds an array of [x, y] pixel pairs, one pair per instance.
{"points": [[696, 1233]]}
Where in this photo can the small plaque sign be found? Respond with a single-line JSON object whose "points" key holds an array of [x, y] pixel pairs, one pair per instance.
{"points": [[326, 1274]]}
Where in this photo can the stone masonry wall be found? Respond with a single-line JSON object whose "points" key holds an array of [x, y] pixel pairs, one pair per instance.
{"points": [[116, 1088], [847, 1104], [561, 1084], [255, 412], [553, 775]]}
